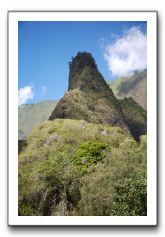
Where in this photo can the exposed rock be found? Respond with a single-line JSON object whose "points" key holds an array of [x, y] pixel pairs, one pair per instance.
{"points": [[105, 132], [84, 162], [52, 139]]}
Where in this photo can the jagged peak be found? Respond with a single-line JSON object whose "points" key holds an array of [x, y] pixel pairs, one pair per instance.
{"points": [[82, 62]]}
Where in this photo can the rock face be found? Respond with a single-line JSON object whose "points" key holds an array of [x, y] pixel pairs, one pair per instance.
{"points": [[89, 97]]}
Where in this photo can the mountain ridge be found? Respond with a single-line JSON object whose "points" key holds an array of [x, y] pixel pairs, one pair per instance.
{"points": [[134, 86], [30, 115]]}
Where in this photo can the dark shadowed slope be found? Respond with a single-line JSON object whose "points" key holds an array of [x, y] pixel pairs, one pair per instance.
{"points": [[135, 116]]}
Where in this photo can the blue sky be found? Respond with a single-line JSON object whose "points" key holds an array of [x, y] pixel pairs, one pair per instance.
{"points": [[45, 48]]}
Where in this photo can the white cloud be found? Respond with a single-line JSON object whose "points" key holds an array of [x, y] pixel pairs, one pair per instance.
{"points": [[127, 53], [43, 90], [25, 94]]}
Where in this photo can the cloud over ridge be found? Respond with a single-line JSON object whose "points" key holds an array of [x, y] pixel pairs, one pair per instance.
{"points": [[127, 53], [24, 94]]}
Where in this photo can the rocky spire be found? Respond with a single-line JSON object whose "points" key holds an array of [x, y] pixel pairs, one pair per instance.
{"points": [[89, 97], [79, 63]]}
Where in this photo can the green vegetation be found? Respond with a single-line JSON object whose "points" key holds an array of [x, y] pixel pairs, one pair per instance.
{"points": [[134, 86], [130, 197], [89, 153], [71, 167], [118, 185], [33, 114]]}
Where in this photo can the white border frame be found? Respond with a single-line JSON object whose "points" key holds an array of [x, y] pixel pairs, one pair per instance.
{"points": [[13, 218]]}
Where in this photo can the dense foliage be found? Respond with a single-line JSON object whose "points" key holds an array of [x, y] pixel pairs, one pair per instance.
{"points": [[71, 167], [89, 153]]}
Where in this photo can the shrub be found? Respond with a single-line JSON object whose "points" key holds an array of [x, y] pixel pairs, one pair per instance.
{"points": [[130, 197], [89, 153], [118, 185]]}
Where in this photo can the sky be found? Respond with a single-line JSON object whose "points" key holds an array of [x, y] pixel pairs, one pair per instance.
{"points": [[46, 48]]}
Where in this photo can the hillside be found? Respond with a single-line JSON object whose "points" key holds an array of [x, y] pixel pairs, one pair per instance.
{"points": [[71, 167], [30, 115], [134, 86]]}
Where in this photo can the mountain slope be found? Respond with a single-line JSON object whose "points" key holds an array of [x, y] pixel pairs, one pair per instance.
{"points": [[32, 114], [134, 86]]}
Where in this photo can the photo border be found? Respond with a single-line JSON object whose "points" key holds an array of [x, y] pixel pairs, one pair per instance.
{"points": [[151, 218]]}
